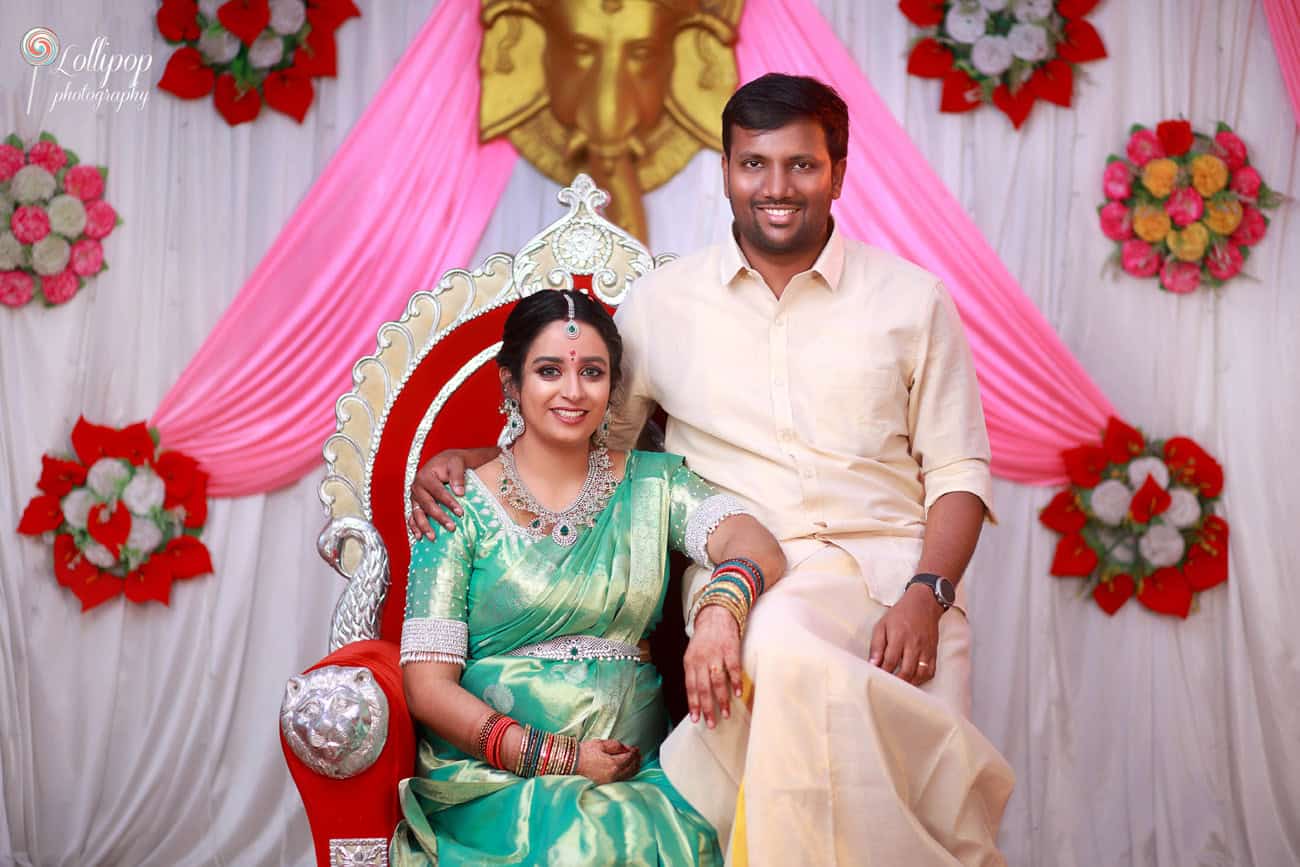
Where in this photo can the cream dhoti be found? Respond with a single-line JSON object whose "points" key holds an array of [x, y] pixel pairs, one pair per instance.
{"points": [[835, 761]]}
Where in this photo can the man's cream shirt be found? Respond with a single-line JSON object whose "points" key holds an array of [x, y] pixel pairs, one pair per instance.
{"points": [[838, 413]]}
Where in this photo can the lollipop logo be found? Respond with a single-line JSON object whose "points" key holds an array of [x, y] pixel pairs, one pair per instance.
{"points": [[40, 46]]}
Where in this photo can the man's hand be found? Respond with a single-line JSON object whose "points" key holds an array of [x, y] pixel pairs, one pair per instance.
{"points": [[712, 664], [906, 640], [430, 489]]}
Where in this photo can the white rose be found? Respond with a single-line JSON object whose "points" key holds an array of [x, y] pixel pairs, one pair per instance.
{"points": [[67, 216], [99, 555], [32, 184], [76, 507], [1184, 508], [50, 255], [1028, 42], [107, 475], [145, 492], [991, 55], [994, 5], [218, 46], [209, 8], [1120, 545], [266, 51], [12, 254], [1162, 545], [145, 536], [1149, 466], [1033, 10], [287, 16], [966, 24], [1110, 500]]}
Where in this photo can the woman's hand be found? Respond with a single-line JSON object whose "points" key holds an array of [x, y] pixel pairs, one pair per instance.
{"points": [[607, 761], [713, 673]]}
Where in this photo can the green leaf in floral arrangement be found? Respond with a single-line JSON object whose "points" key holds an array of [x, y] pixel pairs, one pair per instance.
{"points": [[1135, 128], [1112, 158], [1222, 127], [14, 141], [103, 173], [73, 159], [45, 136]]}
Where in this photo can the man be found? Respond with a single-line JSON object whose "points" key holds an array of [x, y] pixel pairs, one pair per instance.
{"points": [[828, 385]]}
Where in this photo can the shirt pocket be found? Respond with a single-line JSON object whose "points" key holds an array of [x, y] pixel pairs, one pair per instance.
{"points": [[861, 412]]}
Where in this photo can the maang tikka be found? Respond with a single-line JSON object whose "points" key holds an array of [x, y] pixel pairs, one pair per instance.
{"points": [[571, 329]]}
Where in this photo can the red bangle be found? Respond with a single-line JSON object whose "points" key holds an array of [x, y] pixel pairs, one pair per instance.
{"points": [[496, 738]]}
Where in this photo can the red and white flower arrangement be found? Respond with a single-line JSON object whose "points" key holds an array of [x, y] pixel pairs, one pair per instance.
{"points": [[1138, 520], [53, 220], [249, 52], [124, 515], [1184, 207], [1008, 53]]}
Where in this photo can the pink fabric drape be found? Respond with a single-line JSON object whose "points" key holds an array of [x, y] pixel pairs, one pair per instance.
{"points": [[1284, 25], [1037, 397], [406, 197]]}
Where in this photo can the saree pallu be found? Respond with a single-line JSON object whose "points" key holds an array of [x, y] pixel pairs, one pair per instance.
{"points": [[512, 591]]}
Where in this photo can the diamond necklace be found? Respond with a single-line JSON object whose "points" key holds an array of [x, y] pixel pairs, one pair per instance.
{"points": [[596, 490]]}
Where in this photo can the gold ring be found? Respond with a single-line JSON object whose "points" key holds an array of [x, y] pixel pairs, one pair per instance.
{"points": [[923, 665]]}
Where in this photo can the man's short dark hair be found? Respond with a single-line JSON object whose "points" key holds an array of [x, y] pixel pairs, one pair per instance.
{"points": [[774, 100]]}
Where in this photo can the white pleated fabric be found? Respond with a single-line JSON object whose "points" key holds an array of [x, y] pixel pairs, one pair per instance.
{"points": [[147, 736]]}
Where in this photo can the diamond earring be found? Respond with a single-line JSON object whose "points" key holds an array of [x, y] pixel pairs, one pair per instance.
{"points": [[514, 427]]}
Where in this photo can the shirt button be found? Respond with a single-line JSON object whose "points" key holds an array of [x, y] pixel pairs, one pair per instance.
{"points": [[780, 322], [806, 472], [778, 381], [786, 436]]}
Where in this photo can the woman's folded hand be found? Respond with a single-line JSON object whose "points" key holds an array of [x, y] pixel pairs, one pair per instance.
{"points": [[608, 761]]}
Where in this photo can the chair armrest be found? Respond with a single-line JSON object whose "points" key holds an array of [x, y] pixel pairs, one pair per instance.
{"points": [[348, 739]]}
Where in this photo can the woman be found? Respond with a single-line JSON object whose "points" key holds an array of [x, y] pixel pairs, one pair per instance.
{"points": [[541, 719]]}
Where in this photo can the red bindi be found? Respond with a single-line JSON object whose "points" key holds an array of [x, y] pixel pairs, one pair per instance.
{"points": [[573, 356]]}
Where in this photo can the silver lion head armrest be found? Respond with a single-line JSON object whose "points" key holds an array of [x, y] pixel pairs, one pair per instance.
{"points": [[335, 719]]}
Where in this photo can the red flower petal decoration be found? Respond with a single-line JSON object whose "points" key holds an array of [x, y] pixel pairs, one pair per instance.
{"points": [[187, 75], [960, 93], [331, 13], [1085, 464], [922, 13], [1075, 8], [179, 473], [1063, 514], [1074, 557], [1122, 442], [92, 441], [1016, 105], [59, 477], [1053, 82], [151, 582], [245, 18], [1166, 591], [1111, 595], [186, 557], [178, 20], [132, 443], [1080, 43], [317, 55], [1205, 570], [196, 508], [96, 588], [929, 59], [42, 514], [109, 524], [289, 93], [1149, 501], [70, 567], [1191, 465], [1175, 136], [234, 106]]}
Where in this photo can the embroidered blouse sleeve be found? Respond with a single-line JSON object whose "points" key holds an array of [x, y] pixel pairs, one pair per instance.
{"points": [[435, 626], [695, 511]]}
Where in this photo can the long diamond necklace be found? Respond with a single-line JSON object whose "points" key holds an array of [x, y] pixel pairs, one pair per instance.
{"points": [[596, 490]]}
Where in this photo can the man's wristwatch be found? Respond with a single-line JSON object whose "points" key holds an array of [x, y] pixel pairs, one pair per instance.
{"points": [[944, 591]]}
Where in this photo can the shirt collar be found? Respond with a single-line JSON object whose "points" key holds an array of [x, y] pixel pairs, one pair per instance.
{"points": [[829, 265]]}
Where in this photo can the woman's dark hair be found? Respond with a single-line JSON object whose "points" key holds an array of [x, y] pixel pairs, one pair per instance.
{"points": [[774, 100], [539, 310]]}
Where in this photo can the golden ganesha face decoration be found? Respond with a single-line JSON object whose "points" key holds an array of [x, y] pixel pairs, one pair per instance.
{"points": [[624, 90]]}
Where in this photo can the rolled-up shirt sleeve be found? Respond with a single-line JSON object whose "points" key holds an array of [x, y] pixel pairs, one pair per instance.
{"points": [[945, 418]]}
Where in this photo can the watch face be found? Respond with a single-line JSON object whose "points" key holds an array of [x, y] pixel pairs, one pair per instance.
{"points": [[944, 590]]}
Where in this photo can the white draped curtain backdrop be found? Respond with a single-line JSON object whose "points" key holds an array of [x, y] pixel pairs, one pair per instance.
{"points": [[147, 735]]}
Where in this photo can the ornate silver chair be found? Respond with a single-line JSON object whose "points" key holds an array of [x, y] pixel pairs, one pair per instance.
{"points": [[344, 726]]}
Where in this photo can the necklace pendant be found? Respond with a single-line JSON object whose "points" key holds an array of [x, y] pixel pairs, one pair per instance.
{"points": [[564, 533]]}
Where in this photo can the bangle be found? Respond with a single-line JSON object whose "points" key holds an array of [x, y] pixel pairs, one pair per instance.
{"points": [[749, 567], [495, 740], [480, 743]]}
